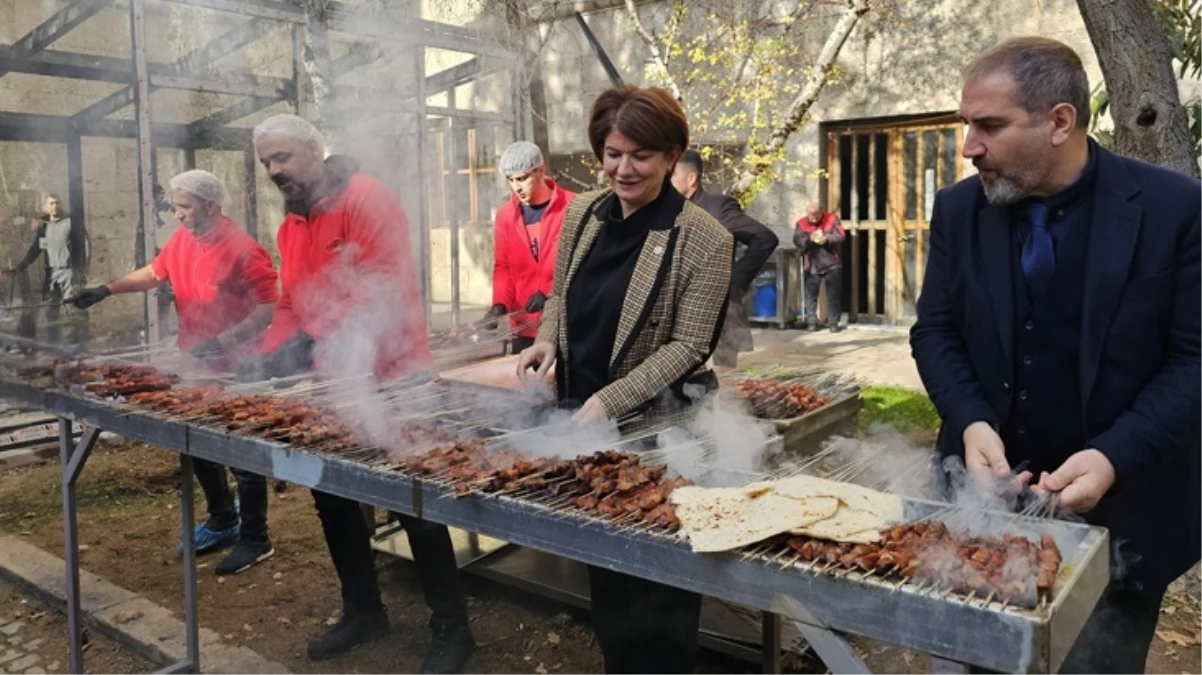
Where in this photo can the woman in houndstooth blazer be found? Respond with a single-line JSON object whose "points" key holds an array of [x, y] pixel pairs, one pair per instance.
{"points": [[635, 311]]}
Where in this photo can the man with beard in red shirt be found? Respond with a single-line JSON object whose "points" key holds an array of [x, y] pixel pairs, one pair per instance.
{"points": [[225, 294], [350, 304]]}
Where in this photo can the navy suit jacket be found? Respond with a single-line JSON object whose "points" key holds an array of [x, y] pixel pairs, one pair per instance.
{"points": [[1139, 349]]}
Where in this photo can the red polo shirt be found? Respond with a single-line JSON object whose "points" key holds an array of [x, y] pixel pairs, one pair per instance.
{"points": [[347, 279], [218, 279]]}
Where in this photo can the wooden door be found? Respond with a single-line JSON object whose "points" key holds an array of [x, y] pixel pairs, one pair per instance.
{"points": [[882, 182]]}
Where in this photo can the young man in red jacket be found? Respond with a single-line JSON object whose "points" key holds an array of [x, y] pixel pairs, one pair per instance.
{"points": [[527, 238], [350, 304], [225, 293]]}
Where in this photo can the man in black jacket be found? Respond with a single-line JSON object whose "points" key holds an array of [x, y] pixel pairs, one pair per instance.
{"points": [[1058, 327], [758, 243]]}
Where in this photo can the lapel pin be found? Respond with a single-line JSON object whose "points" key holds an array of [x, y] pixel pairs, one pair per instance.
{"points": [[658, 250]]}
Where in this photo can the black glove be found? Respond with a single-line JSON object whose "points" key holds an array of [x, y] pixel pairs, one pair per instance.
{"points": [[209, 349], [251, 370], [536, 302], [489, 321], [292, 358], [89, 296]]}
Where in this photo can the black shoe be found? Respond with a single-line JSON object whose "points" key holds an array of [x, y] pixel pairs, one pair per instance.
{"points": [[246, 554], [348, 633], [836, 329], [813, 328], [451, 645]]}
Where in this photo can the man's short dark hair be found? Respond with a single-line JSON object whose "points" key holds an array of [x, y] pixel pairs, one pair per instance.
{"points": [[691, 161], [1046, 73]]}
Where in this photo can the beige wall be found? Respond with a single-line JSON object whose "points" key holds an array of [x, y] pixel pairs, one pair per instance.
{"points": [[901, 64]]}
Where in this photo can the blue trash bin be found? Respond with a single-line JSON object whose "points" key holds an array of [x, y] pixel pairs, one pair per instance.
{"points": [[763, 304]]}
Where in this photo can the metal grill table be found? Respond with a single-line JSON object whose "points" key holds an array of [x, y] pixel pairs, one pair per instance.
{"points": [[948, 626]]}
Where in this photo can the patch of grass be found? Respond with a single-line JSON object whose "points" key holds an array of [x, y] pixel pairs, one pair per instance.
{"points": [[907, 411]]}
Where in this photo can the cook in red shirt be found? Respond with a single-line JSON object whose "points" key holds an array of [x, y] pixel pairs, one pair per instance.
{"points": [[223, 280], [225, 295], [350, 304], [527, 238]]}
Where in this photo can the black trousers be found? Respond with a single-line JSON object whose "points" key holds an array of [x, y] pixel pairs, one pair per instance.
{"points": [[1116, 636], [834, 287], [643, 626], [349, 540], [252, 493]]}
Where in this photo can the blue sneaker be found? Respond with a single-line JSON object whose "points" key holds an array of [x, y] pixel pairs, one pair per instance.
{"points": [[208, 540]]}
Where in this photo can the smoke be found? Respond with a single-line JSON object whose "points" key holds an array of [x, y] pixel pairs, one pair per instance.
{"points": [[720, 444]]}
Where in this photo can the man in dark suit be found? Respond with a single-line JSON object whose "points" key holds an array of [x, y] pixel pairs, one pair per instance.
{"points": [[1059, 325], [758, 243]]}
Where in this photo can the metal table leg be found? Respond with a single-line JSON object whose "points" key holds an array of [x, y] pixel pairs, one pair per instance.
{"points": [[770, 647], [72, 458], [835, 651], [190, 615]]}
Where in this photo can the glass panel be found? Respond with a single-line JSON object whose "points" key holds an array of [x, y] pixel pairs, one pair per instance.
{"points": [[948, 171], [909, 275], [930, 149], [863, 201], [845, 171], [881, 168], [910, 168]]}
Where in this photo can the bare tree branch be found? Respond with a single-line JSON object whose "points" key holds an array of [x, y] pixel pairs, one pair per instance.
{"points": [[653, 46], [800, 105]]}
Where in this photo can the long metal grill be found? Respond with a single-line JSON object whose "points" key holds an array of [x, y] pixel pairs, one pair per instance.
{"points": [[774, 575]]}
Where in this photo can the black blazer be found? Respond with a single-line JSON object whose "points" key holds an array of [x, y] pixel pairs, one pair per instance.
{"points": [[759, 240], [1139, 349]]}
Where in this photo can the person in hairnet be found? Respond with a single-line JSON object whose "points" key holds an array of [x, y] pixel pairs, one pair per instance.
{"points": [[225, 290], [527, 238], [350, 303]]}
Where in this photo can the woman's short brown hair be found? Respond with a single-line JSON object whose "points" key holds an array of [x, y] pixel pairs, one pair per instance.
{"points": [[648, 116]]}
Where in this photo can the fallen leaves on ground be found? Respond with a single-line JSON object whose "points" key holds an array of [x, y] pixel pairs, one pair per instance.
{"points": [[1173, 637]]}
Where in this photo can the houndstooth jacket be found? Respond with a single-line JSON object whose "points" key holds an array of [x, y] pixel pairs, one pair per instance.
{"points": [[670, 318]]}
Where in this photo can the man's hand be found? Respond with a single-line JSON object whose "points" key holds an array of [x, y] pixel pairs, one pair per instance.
{"points": [[89, 296], [536, 302], [984, 451], [292, 358], [209, 349], [1083, 479], [538, 357], [489, 320], [593, 412], [818, 237]]}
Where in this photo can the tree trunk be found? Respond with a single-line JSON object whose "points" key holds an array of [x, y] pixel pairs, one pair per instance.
{"points": [[315, 56], [805, 98], [1137, 65]]}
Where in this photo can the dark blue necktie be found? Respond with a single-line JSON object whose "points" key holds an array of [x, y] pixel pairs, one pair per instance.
{"points": [[1039, 256]]}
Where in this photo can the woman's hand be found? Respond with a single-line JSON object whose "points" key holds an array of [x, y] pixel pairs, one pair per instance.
{"points": [[540, 357], [593, 412]]}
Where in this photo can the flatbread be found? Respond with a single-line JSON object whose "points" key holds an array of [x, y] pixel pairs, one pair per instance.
{"points": [[846, 525], [722, 519], [886, 507]]}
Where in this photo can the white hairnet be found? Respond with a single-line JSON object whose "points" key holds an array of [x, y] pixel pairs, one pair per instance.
{"points": [[519, 158], [204, 185], [289, 126]]}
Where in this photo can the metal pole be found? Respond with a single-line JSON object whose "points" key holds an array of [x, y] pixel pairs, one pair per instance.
{"points": [[454, 169], [189, 158], [770, 647], [192, 624], [146, 177], [72, 457], [423, 171], [252, 196], [70, 548]]}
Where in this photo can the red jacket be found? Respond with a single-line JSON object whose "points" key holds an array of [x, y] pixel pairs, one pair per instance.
{"points": [[516, 275], [348, 281], [817, 259]]}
